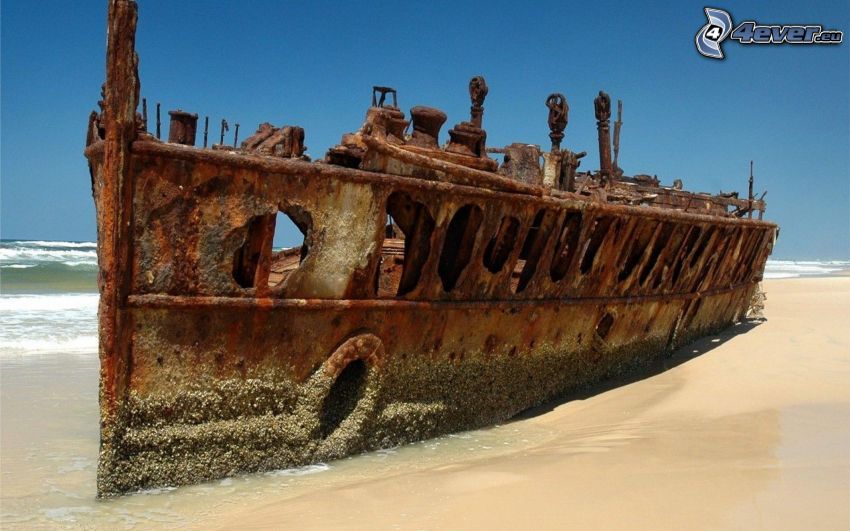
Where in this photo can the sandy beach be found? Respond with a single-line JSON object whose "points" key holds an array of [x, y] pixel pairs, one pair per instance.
{"points": [[746, 430]]}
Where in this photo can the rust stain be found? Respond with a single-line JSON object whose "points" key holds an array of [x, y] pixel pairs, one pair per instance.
{"points": [[436, 289]]}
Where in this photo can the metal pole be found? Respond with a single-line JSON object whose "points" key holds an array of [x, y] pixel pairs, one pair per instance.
{"points": [[224, 128], [157, 121], [617, 125], [206, 129], [750, 195]]}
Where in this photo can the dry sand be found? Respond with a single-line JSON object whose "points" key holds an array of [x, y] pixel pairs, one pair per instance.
{"points": [[754, 433]]}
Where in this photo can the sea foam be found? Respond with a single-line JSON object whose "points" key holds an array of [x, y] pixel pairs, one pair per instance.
{"points": [[16, 256], [64, 322], [800, 268]]}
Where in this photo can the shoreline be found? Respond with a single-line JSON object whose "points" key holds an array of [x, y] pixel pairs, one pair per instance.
{"points": [[748, 428]]}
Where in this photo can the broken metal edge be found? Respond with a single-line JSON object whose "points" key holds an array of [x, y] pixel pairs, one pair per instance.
{"points": [[539, 195]]}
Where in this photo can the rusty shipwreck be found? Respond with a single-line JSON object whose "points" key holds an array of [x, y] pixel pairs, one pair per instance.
{"points": [[437, 289]]}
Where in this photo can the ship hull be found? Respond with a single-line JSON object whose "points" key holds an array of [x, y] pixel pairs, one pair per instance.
{"points": [[211, 372], [220, 387]]}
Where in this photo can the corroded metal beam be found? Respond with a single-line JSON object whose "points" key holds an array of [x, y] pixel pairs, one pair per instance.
{"points": [[113, 193]]}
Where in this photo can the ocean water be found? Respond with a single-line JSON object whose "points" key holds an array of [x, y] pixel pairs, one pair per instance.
{"points": [[48, 297], [803, 268]]}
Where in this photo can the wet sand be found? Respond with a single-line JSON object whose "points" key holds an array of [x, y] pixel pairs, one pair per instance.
{"points": [[742, 430]]}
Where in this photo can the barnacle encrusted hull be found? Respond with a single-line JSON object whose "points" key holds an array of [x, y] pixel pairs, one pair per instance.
{"points": [[435, 290], [220, 390]]}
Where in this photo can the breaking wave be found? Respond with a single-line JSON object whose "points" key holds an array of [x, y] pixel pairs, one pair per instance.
{"points": [[17, 254], [47, 267], [64, 323], [801, 268]]}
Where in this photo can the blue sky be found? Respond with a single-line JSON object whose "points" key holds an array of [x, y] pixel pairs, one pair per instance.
{"points": [[313, 64]]}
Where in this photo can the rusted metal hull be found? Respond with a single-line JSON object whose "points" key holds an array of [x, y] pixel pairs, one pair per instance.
{"points": [[432, 293], [218, 388], [211, 378]]}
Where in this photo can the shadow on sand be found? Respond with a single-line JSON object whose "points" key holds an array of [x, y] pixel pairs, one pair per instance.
{"points": [[681, 355]]}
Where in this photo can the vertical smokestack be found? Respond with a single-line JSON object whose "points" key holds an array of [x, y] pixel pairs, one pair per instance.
{"points": [[183, 127]]}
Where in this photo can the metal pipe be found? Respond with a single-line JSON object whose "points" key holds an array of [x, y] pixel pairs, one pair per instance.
{"points": [[571, 164], [182, 128]]}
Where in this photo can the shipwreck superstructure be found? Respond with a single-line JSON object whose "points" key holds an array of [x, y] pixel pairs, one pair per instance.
{"points": [[437, 289]]}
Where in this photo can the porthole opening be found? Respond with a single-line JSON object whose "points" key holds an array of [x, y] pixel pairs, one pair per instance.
{"points": [[597, 237], [416, 225], [257, 243], [458, 244], [535, 242], [291, 243], [603, 327], [501, 244], [640, 241], [342, 399], [661, 241], [690, 240], [566, 246]]}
